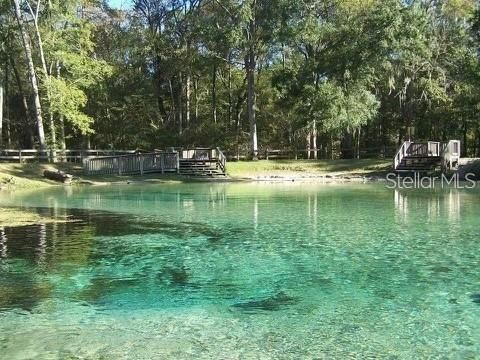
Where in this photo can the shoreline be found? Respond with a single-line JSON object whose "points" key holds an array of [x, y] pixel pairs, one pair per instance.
{"points": [[29, 176], [327, 178]]}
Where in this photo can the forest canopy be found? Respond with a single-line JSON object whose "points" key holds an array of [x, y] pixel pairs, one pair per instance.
{"points": [[245, 75]]}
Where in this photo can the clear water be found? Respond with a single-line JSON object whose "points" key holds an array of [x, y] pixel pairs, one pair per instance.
{"points": [[242, 271]]}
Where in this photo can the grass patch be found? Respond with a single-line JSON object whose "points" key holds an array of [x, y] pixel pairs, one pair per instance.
{"points": [[321, 167], [30, 176]]}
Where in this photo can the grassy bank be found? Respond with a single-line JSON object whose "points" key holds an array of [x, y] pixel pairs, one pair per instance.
{"points": [[30, 176], [361, 167]]}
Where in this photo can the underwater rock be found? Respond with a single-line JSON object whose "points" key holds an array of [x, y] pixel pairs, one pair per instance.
{"points": [[174, 276], [441, 269], [273, 303], [179, 276], [475, 298]]}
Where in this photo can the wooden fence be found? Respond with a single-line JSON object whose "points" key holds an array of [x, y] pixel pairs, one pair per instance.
{"points": [[24, 155], [159, 162], [296, 154]]}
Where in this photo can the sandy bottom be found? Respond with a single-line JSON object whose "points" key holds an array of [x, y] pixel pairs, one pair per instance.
{"points": [[350, 330]]}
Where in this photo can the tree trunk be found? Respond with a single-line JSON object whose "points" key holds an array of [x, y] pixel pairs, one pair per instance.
{"points": [[188, 92], [7, 96], [331, 147], [250, 66], [33, 75], [214, 93], [238, 121], [38, 35], [308, 143], [357, 150], [195, 89], [314, 139], [63, 145], [46, 74], [26, 112], [172, 99], [251, 103], [180, 104], [230, 104], [237, 132], [53, 138], [251, 111], [159, 88], [1, 116]]}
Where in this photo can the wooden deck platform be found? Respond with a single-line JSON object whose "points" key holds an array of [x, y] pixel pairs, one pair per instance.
{"points": [[427, 156], [209, 162]]}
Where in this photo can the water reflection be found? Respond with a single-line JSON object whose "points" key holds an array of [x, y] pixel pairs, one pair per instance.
{"points": [[3, 243], [100, 254], [409, 205]]}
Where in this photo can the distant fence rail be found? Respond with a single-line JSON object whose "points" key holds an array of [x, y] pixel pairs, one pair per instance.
{"points": [[157, 162], [78, 156], [385, 152], [24, 155]]}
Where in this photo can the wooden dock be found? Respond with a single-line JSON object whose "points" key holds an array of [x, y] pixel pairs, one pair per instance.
{"points": [[136, 164], [210, 162]]}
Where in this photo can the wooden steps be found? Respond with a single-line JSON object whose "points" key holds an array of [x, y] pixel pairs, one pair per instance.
{"points": [[427, 156], [419, 163], [199, 167]]}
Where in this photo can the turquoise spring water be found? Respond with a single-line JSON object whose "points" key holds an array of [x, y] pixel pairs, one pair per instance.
{"points": [[242, 271]]}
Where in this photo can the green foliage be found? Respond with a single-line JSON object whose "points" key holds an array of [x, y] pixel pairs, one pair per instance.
{"points": [[172, 72], [68, 101]]}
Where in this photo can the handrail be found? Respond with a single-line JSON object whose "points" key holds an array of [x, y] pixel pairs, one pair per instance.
{"points": [[417, 149], [221, 160], [397, 160], [450, 154]]}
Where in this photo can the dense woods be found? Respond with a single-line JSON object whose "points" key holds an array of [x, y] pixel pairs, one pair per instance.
{"points": [[339, 76]]}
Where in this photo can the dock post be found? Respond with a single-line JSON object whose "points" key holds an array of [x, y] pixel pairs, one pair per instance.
{"points": [[178, 162]]}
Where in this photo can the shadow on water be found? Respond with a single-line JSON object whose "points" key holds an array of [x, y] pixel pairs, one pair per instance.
{"points": [[273, 303], [29, 254]]}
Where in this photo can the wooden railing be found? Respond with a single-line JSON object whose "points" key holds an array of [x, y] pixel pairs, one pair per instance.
{"points": [[417, 149], [24, 155], [213, 156], [160, 162], [448, 152], [401, 153], [221, 160], [429, 148]]}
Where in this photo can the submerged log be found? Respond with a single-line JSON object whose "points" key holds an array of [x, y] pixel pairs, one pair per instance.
{"points": [[58, 176]]}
